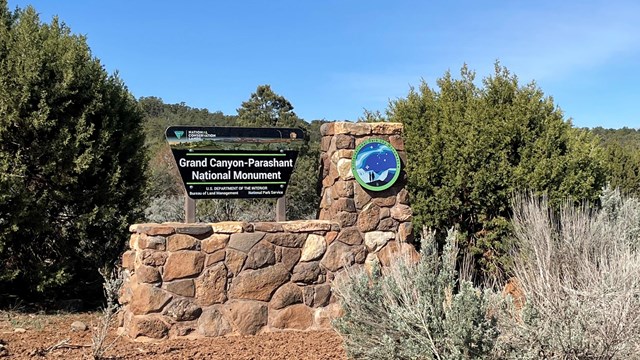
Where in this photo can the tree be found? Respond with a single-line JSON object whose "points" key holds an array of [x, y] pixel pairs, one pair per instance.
{"points": [[470, 148], [72, 160], [622, 147], [265, 108]]}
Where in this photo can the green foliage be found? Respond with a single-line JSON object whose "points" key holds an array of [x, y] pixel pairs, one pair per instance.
{"points": [[412, 311], [265, 108], [622, 151], [164, 179], [469, 148], [72, 159]]}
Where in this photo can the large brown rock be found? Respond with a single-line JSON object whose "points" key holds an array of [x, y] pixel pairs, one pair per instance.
{"points": [[325, 143], [182, 242], [234, 260], [313, 248], [403, 197], [331, 235], [286, 239], [350, 236], [258, 284], [211, 286], [247, 316], [192, 229], [298, 317], [183, 264], [375, 240], [267, 227], [385, 201], [128, 259], [405, 232], [394, 249], [322, 295], [214, 243], [153, 229], [327, 198], [401, 212], [153, 257], [260, 255], [384, 213], [339, 255], [344, 169], [369, 218], [288, 256], [182, 310], [287, 294], [151, 242], [360, 196], [306, 225], [397, 142], [244, 241], [325, 315], [341, 154], [343, 189], [343, 204], [214, 258], [213, 323], [330, 178], [146, 299], [149, 326], [326, 129], [229, 227], [147, 274], [345, 141], [351, 128], [306, 272], [388, 224], [345, 218], [386, 128], [184, 287]]}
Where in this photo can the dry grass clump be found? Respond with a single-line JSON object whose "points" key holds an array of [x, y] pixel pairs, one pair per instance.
{"points": [[580, 274]]}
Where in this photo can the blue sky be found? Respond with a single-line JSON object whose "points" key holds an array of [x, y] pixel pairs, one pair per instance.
{"points": [[334, 58]]}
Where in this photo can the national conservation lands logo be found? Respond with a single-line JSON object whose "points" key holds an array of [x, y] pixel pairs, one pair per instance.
{"points": [[375, 165]]}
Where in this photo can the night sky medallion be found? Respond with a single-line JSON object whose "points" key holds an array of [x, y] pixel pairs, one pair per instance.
{"points": [[375, 165]]}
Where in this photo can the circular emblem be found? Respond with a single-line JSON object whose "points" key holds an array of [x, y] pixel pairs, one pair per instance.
{"points": [[375, 165]]}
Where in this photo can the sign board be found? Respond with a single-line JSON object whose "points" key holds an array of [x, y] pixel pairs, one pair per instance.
{"points": [[375, 164], [234, 162]]}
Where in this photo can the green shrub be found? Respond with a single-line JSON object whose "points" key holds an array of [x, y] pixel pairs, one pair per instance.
{"points": [[470, 147], [415, 310], [72, 160]]}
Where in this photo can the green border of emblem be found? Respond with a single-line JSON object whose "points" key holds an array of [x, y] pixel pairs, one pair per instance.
{"points": [[355, 172]]}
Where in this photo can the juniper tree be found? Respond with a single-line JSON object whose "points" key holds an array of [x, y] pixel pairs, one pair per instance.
{"points": [[72, 160]]}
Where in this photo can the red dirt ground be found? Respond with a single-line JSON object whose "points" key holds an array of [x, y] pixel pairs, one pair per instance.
{"points": [[44, 332]]}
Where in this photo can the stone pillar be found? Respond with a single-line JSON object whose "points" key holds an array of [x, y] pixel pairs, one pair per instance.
{"points": [[382, 220]]}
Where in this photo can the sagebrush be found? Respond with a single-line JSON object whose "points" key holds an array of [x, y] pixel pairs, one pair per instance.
{"points": [[415, 310], [580, 274]]}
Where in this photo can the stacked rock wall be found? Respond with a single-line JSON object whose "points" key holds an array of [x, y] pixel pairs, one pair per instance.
{"points": [[379, 220], [194, 280], [232, 277]]}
